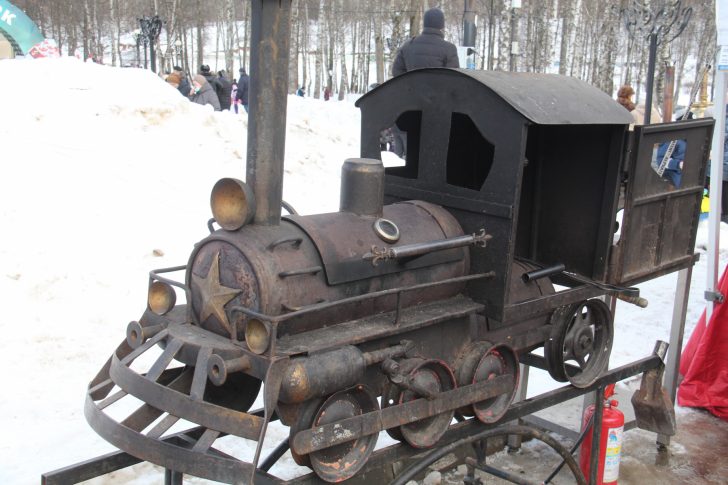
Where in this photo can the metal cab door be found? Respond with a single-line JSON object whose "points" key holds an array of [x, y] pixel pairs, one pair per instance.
{"points": [[660, 220]]}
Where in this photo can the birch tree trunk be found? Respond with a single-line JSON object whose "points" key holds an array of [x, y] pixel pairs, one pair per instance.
{"points": [[504, 37], [295, 44], [230, 36], [567, 18], [200, 35], [114, 32], [379, 45]]}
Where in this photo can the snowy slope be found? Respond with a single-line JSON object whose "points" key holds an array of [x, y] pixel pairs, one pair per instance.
{"points": [[100, 168]]}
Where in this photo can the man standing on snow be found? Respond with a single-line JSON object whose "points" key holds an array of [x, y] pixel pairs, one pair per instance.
{"points": [[429, 49], [243, 84], [225, 89]]}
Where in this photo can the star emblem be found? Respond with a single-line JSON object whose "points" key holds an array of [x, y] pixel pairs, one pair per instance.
{"points": [[214, 295]]}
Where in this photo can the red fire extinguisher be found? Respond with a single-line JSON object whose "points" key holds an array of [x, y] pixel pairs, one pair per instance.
{"points": [[610, 446]]}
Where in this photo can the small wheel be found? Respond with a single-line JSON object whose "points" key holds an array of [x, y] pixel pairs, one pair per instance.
{"points": [[341, 462], [582, 336], [485, 361], [433, 375]]}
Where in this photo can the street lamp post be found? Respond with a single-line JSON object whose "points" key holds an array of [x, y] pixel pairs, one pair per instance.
{"points": [[138, 41], [659, 24], [178, 51]]}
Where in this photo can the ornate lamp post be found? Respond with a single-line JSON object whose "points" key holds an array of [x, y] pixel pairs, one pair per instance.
{"points": [[151, 28], [659, 23], [138, 41]]}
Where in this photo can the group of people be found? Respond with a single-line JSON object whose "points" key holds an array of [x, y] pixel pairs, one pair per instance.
{"points": [[213, 89]]}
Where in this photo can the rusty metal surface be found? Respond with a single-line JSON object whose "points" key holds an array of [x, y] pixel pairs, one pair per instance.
{"points": [[654, 410], [339, 463], [343, 239], [660, 221], [269, 56], [362, 187], [394, 416]]}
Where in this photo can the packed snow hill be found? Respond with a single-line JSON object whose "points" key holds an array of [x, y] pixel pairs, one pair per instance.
{"points": [[106, 175]]}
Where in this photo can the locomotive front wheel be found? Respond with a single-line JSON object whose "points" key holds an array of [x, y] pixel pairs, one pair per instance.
{"points": [[580, 343], [485, 361], [341, 462]]}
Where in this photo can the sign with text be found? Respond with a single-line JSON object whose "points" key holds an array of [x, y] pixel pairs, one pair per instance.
{"points": [[18, 28]]}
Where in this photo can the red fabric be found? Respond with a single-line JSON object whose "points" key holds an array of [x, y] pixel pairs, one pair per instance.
{"points": [[704, 362]]}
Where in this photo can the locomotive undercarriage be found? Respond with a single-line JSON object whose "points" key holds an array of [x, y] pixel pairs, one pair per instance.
{"points": [[408, 371]]}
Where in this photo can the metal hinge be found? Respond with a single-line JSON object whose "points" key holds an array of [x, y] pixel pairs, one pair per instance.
{"points": [[715, 296]]}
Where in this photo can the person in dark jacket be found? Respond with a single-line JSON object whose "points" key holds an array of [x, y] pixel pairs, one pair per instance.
{"points": [[225, 89], [429, 49], [203, 93], [212, 80], [673, 169], [184, 85], [243, 85]]}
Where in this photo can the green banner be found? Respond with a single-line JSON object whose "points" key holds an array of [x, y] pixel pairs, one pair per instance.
{"points": [[22, 32]]}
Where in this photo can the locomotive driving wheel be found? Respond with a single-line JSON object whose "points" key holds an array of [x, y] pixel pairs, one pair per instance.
{"points": [[341, 462], [485, 361], [580, 343], [434, 377]]}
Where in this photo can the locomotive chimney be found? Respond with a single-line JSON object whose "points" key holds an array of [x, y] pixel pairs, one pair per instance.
{"points": [[362, 187], [269, 50]]}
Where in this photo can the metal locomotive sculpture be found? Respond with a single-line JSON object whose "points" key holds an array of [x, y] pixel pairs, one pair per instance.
{"points": [[414, 302]]}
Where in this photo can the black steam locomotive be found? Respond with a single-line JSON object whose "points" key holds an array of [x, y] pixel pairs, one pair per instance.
{"points": [[494, 236]]}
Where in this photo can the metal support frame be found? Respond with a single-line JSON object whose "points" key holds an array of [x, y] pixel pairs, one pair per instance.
{"points": [[677, 331], [465, 430]]}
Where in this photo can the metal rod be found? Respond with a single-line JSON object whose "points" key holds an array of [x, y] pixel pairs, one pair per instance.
{"points": [[537, 274], [275, 455], [420, 249], [505, 475], [650, 77], [571, 451], [354, 299], [596, 436], [172, 477]]}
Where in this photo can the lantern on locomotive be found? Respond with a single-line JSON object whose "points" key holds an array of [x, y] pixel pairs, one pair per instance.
{"points": [[424, 289]]}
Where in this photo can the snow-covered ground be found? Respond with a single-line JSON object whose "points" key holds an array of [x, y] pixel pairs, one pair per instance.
{"points": [[106, 175]]}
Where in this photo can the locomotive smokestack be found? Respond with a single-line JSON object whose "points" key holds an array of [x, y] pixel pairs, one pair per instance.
{"points": [[362, 187], [269, 50]]}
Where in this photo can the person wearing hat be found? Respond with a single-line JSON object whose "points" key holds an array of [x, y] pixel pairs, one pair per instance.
{"points": [[212, 80], [243, 85], [203, 93], [184, 85], [429, 49]]}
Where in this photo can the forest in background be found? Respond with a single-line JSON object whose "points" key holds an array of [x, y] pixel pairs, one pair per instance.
{"points": [[348, 45]]}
